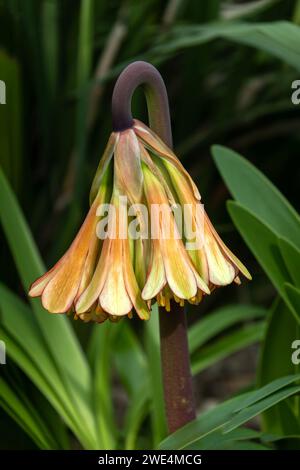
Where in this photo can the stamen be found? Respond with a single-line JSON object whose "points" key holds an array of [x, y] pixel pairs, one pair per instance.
{"points": [[167, 302]]}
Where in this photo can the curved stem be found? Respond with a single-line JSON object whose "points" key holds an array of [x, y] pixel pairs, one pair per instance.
{"points": [[136, 74], [176, 372]]}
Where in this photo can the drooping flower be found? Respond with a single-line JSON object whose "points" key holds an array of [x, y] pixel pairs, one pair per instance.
{"points": [[216, 264], [112, 276]]}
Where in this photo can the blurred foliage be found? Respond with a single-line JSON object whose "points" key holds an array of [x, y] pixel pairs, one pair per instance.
{"points": [[228, 67]]}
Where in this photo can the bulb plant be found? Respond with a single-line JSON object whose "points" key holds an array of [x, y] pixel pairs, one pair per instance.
{"points": [[109, 277]]}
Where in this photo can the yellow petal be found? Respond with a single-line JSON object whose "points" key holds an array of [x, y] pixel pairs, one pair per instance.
{"points": [[114, 298], [179, 271], [200, 262], [156, 278], [132, 285], [229, 254], [89, 265], [92, 292], [103, 164], [221, 271], [140, 261], [180, 277], [146, 158]]}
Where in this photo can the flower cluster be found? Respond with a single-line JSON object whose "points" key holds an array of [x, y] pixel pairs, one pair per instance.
{"points": [[105, 278]]}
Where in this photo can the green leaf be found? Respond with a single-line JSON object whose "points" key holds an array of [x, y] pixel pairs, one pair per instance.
{"points": [[11, 153], [24, 414], [215, 419], [257, 194], [85, 41], [136, 413], [293, 295], [243, 445], [291, 256], [101, 356], [216, 322], [229, 344], [250, 412], [65, 350], [243, 10], [268, 389], [135, 379], [264, 245], [278, 38], [50, 37], [26, 347], [217, 440], [157, 407], [208, 422], [275, 362], [128, 350]]}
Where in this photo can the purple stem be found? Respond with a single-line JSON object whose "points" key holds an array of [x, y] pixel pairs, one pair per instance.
{"points": [[176, 371]]}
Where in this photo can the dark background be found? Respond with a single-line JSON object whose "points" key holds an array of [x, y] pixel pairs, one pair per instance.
{"points": [[60, 61]]}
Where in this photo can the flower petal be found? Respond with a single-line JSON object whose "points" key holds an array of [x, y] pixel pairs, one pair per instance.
{"points": [[89, 265], [160, 148], [36, 289], [114, 298], [228, 253], [103, 164], [60, 292], [156, 278], [179, 270], [221, 271], [127, 166], [132, 285], [92, 292]]}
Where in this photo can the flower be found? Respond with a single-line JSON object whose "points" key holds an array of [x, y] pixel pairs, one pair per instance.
{"points": [[111, 276]]}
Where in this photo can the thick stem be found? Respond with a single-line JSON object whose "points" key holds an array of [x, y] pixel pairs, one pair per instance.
{"points": [[176, 371], [136, 74]]}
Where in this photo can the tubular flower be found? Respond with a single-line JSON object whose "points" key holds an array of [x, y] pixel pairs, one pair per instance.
{"points": [[111, 276]]}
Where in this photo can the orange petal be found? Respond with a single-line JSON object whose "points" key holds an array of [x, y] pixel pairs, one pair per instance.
{"points": [[62, 288], [179, 270], [89, 265], [92, 292], [160, 148], [156, 278], [36, 289], [127, 166], [114, 298], [132, 285]]}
